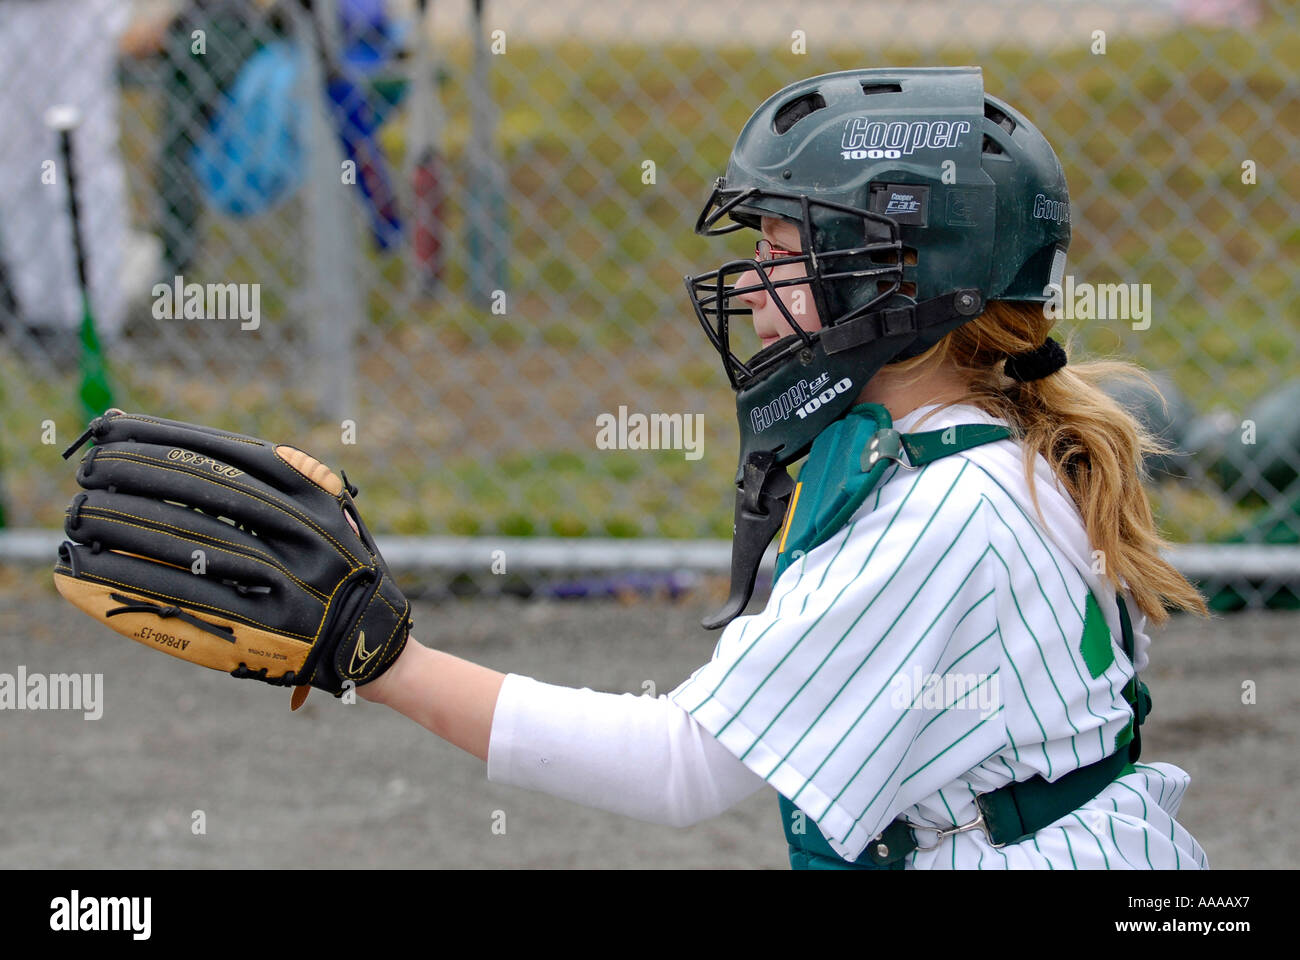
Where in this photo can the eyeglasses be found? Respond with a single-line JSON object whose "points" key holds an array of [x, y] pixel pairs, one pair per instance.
{"points": [[764, 251]]}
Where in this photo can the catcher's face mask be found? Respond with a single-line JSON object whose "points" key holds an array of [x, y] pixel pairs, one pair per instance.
{"points": [[875, 260]]}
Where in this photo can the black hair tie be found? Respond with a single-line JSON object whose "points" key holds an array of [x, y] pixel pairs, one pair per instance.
{"points": [[1036, 364]]}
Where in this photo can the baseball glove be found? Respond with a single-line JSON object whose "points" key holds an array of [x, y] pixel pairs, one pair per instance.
{"points": [[230, 552]]}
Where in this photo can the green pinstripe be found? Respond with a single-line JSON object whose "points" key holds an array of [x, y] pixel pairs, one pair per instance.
{"points": [[1146, 840], [843, 543], [886, 480], [1069, 847], [971, 649], [1115, 839], [1034, 841], [1163, 784], [953, 820], [1028, 702], [1041, 656], [1105, 859]]}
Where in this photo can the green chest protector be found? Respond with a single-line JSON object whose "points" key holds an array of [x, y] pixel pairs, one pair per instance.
{"points": [[845, 464]]}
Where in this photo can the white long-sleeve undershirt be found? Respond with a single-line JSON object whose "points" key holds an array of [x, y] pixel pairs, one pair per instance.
{"points": [[640, 756]]}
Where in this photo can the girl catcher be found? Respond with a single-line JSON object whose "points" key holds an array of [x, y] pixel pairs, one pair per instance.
{"points": [[946, 672]]}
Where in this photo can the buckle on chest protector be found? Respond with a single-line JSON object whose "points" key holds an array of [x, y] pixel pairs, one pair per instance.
{"points": [[886, 444], [941, 834]]}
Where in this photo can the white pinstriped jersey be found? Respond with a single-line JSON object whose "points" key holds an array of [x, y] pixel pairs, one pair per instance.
{"points": [[933, 649]]}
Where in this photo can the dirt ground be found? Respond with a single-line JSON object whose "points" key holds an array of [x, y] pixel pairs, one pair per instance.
{"points": [[357, 786]]}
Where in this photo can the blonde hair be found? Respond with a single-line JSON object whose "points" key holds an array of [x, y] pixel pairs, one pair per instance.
{"points": [[1092, 444]]}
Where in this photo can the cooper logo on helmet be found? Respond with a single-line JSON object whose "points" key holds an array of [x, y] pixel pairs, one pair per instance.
{"points": [[867, 139], [1047, 209]]}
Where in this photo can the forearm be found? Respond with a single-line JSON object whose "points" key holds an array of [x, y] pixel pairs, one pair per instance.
{"points": [[448, 696], [642, 757]]}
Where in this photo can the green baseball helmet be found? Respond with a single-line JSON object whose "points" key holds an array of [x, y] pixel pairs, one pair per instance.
{"points": [[872, 165]]}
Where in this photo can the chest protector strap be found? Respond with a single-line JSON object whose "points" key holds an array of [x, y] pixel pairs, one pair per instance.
{"points": [[844, 465]]}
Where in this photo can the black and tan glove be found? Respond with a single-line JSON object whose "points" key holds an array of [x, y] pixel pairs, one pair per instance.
{"points": [[230, 552]]}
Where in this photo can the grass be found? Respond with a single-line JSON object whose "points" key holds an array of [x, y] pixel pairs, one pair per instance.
{"points": [[474, 423]]}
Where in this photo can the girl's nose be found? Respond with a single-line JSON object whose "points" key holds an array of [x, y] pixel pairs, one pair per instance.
{"points": [[756, 299]]}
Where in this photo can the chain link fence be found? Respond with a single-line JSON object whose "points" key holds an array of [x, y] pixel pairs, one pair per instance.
{"points": [[434, 243]]}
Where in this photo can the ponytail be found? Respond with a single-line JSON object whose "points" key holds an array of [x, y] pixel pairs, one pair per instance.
{"points": [[1094, 447]]}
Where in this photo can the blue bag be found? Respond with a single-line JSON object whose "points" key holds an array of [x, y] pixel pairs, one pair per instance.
{"points": [[251, 159]]}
